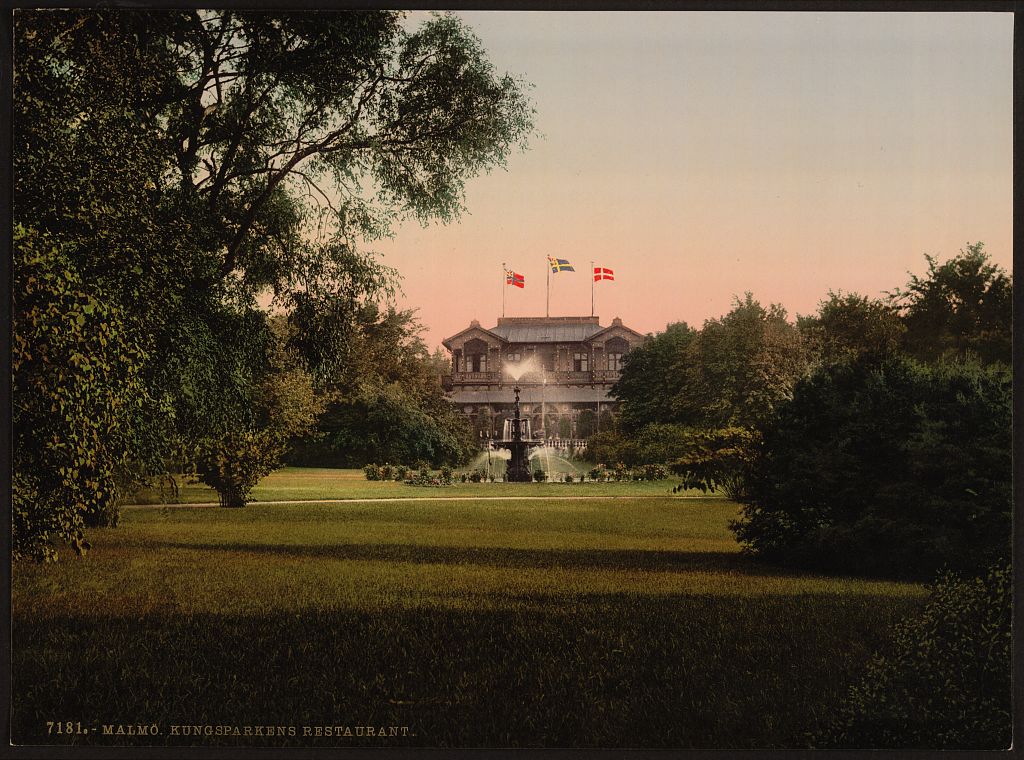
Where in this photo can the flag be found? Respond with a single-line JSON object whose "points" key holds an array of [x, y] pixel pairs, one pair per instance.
{"points": [[603, 273], [560, 265], [514, 278]]}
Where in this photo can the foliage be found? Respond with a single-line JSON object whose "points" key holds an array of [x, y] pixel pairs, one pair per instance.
{"points": [[945, 684], [654, 472], [848, 326], [387, 404], [650, 379], [76, 393], [607, 446], [539, 476], [718, 459], [372, 471], [184, 163], [740, 367], [894, 468], [960, 308], [234, 464]]}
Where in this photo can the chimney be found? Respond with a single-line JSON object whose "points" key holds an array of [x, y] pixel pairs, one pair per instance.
{"points": [[616, 322]]}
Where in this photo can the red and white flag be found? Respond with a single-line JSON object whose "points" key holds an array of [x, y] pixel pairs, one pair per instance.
{"points": [[603, 273]]}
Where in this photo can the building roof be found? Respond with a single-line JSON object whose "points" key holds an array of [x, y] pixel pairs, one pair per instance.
{"points": [[546, 333], [546, 329], [543, 329]]}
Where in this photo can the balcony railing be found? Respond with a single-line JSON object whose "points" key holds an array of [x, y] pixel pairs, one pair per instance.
{"points": [[465, 378], [558, 377]]}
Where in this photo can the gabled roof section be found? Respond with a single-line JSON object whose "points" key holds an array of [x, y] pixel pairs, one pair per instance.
{"points": [[474, 326], [617, 324]]}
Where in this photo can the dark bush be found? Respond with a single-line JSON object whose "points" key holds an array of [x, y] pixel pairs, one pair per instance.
{"points": [[946, 682], [234, 464], [539, 475], [372, 471], [891, 468]]}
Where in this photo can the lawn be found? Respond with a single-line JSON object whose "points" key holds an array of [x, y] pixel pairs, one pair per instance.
{"points": [[631, 622], [313, 483]]}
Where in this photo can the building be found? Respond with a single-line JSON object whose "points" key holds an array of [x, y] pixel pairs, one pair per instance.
{"points": [[572, 364]]}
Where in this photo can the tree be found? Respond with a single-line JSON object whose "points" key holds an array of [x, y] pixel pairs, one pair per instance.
{"points": [[848, 326], [186, 162], [893, 468], [386, 404], [962, 307], [740, 367], [650, 379]]}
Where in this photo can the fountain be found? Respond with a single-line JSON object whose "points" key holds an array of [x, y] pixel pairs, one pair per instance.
{"points": [[516, 435], [516, 438]]}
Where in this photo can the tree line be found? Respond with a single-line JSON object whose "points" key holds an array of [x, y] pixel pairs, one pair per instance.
{"points": [[872, 436], [174, 170]]}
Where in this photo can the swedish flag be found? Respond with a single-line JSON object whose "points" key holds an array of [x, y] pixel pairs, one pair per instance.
{"points": [[560, 265]]}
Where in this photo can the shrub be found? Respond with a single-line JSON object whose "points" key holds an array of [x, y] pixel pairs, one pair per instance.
{"points": [[568, 477], [234, 464], [655, 472], [386, 472], [476, 476], [621, 472], [401, 471], [372, 471], [946, 682], [718, 459], [539, 475], [890, 468], [447, 475]]}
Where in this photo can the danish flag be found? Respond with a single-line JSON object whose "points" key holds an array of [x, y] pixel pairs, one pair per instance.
{"points": [[603, 273]]}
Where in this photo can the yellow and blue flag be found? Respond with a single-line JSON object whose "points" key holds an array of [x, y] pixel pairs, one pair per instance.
{"points": [[560, 265]]}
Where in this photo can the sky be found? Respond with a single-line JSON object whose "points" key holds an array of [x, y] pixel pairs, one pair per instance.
{"points": [[701, 155]]}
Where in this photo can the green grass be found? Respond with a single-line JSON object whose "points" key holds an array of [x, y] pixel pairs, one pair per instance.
{"points": [[608, 623], [312, 483]]}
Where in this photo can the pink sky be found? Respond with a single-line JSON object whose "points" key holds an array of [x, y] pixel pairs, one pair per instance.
{"points": [[702, 155]]}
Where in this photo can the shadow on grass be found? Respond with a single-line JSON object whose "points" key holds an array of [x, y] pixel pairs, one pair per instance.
{"points": [[588, 670], [503, 557]]}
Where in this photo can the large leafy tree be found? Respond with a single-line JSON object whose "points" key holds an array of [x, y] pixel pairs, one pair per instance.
{"points": [[185, 163], [892, 467], [848, 326], [651, 380], [961, 307], [740, 367]]}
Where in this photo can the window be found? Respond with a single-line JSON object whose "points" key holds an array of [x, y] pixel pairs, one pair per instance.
{"points": [[512, 357], [580, 363], [614, 360], [476, 355]]}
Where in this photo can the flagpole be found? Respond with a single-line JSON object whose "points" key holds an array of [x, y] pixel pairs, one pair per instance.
{"points": [[591, 288], [503, 287], [547, 307]]}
